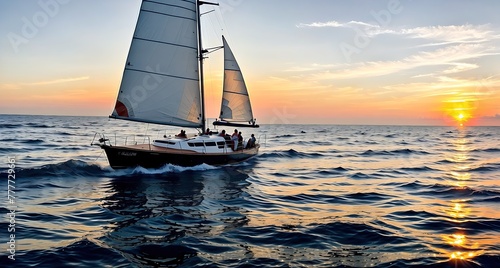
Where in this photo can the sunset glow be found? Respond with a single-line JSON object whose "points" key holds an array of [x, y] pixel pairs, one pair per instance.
{"points": [[460, 110]]}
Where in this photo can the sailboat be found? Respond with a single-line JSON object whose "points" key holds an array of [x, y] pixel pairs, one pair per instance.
{"points": [[163, 84]]}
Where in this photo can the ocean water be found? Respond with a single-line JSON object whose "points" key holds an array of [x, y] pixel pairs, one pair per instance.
{"points": [[315, 196]]}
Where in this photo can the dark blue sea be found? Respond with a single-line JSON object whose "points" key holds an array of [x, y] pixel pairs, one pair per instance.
{"points": [[315, 196]]}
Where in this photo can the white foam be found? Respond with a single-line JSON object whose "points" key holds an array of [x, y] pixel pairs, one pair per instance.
{"points": [[169, 168]]}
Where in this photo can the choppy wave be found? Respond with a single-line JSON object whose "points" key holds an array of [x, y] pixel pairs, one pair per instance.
{"points": [[9, 125], [332, 171], [393, 152], [67, 168], [172, 168], [311, 143], [487, 150], [81, 168], [418, 169], [291, 153], [83, 253], [284, 136], [32, 141], [37, 125]]}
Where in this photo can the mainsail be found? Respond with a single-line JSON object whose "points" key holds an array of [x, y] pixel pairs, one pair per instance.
{"points": [[160, 82], [235, 100]]}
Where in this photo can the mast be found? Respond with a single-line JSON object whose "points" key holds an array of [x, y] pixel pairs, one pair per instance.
{"points": [[200, 56]]}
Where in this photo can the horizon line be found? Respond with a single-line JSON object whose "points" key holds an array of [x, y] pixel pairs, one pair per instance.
{"points": [[284, 124]]}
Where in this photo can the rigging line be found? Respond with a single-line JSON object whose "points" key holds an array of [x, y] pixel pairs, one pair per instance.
{"points": [[221, 21], [208, 12], [209, 34], [212, 24], [212, 49]]}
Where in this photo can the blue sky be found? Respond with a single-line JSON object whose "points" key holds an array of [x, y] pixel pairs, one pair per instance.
{"points": [[360, 62]]}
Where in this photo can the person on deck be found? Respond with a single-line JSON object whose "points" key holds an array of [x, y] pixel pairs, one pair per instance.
{"points": [[240, 141], [227, 138], [251, 142], [182, 134], [208, 132], [234, 138]]}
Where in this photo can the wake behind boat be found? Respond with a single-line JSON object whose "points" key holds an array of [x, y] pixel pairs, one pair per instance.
{"points": [[163, 84]]}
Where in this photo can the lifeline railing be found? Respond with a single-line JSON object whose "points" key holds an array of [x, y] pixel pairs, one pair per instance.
{"points": [[105, 141]]}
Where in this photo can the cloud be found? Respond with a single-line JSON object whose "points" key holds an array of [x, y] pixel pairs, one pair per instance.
{"points": [[456, 67], [10, 86], [494, 117], [463, 89], [450, 55], [57, 81], [367, 28], [336, 24], [444, 52], [446, 34], [310, 67], [460, 67], [18, 86], [332, 23], [452, 33]]}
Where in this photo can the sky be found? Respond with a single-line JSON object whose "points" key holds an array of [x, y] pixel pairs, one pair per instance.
{"points": [[402, 62]]}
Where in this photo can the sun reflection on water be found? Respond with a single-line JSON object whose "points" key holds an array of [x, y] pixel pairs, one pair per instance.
{"points": [[459, 210], [463, 247]]}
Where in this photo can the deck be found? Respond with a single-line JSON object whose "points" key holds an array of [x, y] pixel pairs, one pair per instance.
{"points": [[154, 148]]}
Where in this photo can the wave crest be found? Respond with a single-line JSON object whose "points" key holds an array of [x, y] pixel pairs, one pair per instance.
{"points": [[72, 168], [169, 168], [67, 168], [291, 153]]}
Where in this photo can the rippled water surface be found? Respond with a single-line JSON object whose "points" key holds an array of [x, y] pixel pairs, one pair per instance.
{"points": [[315, 196]]}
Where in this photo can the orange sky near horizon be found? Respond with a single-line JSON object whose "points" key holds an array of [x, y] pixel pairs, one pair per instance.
{"points": [[274, 100]]}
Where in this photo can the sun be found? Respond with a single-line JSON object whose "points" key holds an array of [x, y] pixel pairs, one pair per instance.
{"points": [[459, 110], [461, 117]]}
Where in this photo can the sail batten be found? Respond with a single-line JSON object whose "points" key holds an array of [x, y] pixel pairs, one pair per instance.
{"points": [[239, 93], [172, 44], [235, 105], [170, 15], [167, 75], [166, 4], [161, 81]]}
